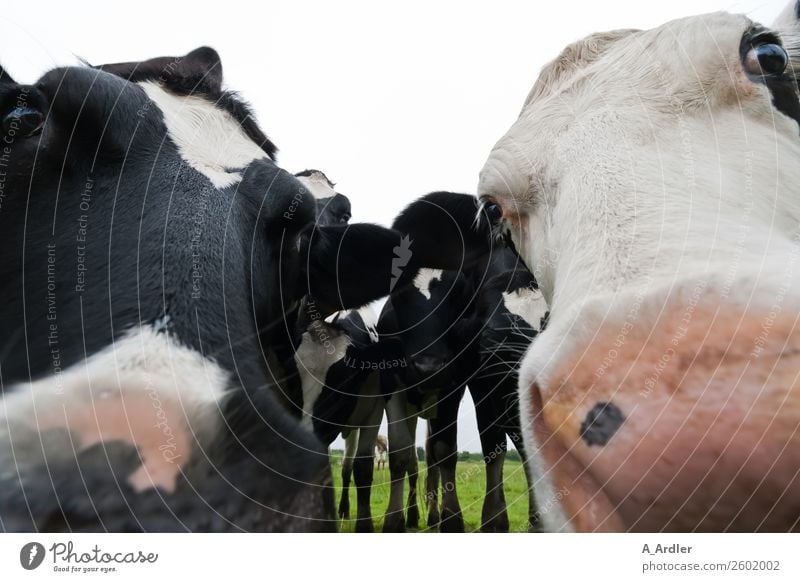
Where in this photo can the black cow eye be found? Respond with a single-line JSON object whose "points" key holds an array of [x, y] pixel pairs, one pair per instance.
{"points": [[23, 122], [766, 59], [493, 212]]}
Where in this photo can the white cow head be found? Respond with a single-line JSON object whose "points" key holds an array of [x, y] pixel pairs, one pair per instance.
{"points": [[652, 182]]}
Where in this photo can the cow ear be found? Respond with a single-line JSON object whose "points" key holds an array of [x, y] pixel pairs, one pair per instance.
{"points": [[199, 71], [5, 78], [445, 230]]}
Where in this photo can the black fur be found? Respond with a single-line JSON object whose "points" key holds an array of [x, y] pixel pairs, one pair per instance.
{"points": [[197, 73], [446, 230]]}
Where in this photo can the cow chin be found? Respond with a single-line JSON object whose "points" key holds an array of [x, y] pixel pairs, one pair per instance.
{"points": [[684, 416]]}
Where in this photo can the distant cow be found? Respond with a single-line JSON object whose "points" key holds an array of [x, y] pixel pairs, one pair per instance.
{"points": [[381, 451], [151, 250]]}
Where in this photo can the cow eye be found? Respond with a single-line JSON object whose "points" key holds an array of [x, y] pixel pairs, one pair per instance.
{"points": [[768, 58], [493, 211], [23, 122]]}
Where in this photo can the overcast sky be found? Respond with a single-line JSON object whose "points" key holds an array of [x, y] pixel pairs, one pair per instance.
{"points": [[390, 103]]}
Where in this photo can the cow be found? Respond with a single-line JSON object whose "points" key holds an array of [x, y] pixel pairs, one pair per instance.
{"points": [[429, 319], [651, 183], [512, 312], [332, 207], [432, 319], [152, 248], [480, 311], [381, 451]]}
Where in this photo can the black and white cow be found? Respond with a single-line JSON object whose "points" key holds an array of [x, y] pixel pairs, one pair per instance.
{"points": [[151, 248], [512, 312], [339, 360], [428, 317], [469, 327], [433, 319], [332, 207]]}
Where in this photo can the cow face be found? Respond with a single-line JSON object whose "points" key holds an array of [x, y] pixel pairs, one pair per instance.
{"points": [[651, 181], [332, 207], [152, 250]]}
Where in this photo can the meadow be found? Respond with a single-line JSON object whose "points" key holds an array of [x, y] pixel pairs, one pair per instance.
{"points": [[470, 484]]}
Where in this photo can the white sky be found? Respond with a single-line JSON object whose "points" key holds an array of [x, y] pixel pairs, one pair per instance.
{"points": [[391, 103]]}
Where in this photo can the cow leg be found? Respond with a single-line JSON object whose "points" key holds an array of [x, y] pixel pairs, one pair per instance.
{"points": [[494, 514], [432, 483], [412, 516], [534, 520], [350, 443], [363, 468], [401, 442], [443, 434]]}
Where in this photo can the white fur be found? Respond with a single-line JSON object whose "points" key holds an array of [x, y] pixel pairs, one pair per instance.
{"points": [[318, 185], [424, 279], [207, 137], [529, 304], [654, 165]]}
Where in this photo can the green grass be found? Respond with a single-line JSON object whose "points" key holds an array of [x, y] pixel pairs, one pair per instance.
{"points": [[470, 484]]}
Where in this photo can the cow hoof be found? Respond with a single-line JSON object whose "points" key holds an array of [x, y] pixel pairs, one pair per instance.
{"points": [[364, 525], [451, 522], [433, 519], [394, 523], [412, 519]]}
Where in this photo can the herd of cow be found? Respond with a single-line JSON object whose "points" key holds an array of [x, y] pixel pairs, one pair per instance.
{"points": [[187, 326], [443, 331]]}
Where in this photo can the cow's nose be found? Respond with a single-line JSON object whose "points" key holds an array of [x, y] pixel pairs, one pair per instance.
{"points": [[23, 122], [428, 364]]}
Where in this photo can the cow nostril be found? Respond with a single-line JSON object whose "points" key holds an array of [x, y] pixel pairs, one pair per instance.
{"points": [[23, 122], [601, 422]]}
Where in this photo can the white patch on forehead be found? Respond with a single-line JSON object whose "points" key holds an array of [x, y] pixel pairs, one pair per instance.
{"points": [[527, 303], [424, 279], [149, 385], [208, 138], [318, 185]]}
